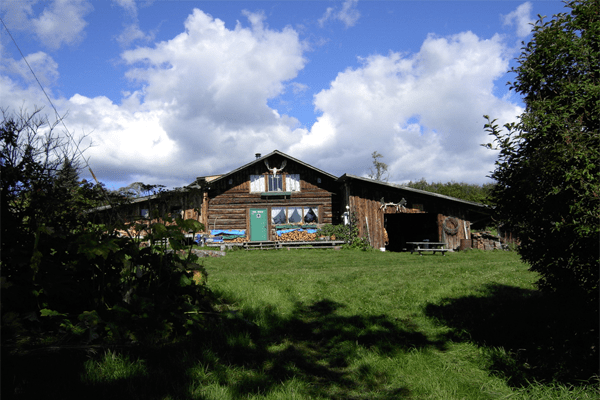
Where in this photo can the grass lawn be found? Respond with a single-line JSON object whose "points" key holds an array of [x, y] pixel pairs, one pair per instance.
{"points": [[325, 324]]}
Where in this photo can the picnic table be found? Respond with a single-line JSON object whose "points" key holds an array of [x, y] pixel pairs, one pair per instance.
{"points": [[428, 247]]}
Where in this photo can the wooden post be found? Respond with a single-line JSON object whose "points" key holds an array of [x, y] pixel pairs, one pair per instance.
{"points": [[204, 211]]}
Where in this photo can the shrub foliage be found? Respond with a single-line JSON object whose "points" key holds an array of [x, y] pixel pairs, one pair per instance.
{"points": [[548, 180], [460, 190], [66, 276], [348, 233]]}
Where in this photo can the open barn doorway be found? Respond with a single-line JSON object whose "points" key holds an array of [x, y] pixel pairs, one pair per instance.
{"points": [[402, 228]]}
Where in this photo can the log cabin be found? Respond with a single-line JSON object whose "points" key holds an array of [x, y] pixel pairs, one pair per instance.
{"points": [[272, 193], [276, 192]]}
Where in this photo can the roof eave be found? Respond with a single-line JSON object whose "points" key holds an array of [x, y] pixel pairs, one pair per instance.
{"points": [[347, 177], [262, 158]]}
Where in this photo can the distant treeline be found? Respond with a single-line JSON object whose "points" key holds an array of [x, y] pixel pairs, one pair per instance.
{"points": [[464, 191]]}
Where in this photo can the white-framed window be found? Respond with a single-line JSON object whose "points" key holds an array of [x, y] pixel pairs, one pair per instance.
{"points": [[275, 183], [294, 215], [278, 216], [310, 215]]}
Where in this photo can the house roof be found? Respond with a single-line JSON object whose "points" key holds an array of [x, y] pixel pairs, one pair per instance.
{"points": [[349, 177], [344, 178], [261, 159], [140, 199]]}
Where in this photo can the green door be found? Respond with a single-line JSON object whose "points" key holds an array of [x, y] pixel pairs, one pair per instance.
{"points": [[258, 224]]}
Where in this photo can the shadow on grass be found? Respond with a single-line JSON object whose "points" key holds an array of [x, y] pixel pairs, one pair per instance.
{"points": [[314, 349], [317, 346], [528, 335]]}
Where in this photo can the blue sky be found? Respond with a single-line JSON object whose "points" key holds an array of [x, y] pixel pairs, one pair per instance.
{"points": [[170, 90]]}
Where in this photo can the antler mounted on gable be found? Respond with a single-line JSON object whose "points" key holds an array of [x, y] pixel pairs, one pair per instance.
{"points": [[399, 205], [275, 170]]}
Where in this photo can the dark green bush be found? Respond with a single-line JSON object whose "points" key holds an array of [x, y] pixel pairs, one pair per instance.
{"points": [[66, 277], [347, 233], [548, 180]]}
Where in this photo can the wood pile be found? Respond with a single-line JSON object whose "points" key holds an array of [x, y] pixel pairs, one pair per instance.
{"points": [[485, 241], [297, 236], [236, 240]]}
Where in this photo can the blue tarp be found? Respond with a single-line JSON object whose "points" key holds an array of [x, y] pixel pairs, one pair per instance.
{"points": [[219, 232], [200, 238], [217, 235], [282, 231]]}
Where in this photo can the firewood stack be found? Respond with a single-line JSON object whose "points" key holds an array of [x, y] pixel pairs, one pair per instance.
{"points": [[236, 240], [297, 236]]}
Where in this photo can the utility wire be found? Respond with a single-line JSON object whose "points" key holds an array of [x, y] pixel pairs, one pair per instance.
{"points": [[58, 117]]}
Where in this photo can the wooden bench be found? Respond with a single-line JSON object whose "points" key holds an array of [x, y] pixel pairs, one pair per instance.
{"points": [[421, 251], [428, 247]]}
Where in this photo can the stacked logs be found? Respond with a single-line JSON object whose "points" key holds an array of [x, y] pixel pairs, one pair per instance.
{"points": [[297, 236], [294, 236], [236, 240]]}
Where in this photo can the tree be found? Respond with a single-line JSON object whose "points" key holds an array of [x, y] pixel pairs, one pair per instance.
{"points": [[139, 189], [547, 172], [68, 175], [465, 191], [67, 278], [379, 171]]}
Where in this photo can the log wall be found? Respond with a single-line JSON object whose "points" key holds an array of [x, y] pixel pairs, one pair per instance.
{"points": [[365, 200], [447, 234], [229, 200]]}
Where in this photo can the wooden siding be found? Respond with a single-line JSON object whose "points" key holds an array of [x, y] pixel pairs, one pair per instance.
{"points": [[371, 218], [229, 199], [453, 239], [365, 201], [230, 210]]}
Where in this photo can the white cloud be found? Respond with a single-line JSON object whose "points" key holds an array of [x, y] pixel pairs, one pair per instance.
{"points": [[348, 14], [19, 89], [133, 141], [298, 88], [521, 17], [202, 101], [44, 66], [200, 105], [225, 76], [422, 112], [129, 6], [16, 14], [132, 32], [60, 22]]}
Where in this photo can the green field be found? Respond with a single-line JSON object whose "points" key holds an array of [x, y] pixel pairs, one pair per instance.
{"points": [[325, 324]]}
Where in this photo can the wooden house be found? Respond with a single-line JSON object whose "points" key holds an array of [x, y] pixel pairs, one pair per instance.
{"points": [[276, 192], [391, 215], [271, 193]]}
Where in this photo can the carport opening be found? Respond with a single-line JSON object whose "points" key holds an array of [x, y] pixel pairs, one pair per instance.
{"points": [[402, 228]]}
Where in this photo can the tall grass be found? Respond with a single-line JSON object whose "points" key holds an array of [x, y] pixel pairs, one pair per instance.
{"points": [[321, 324]]}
